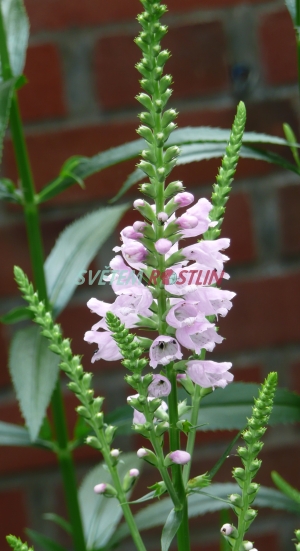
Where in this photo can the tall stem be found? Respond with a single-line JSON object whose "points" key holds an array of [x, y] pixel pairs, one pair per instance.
{"points": [[37, 260], [192, 434]]}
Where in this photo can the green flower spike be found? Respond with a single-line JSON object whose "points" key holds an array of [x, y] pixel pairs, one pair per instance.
{"points": [[244, 475], [129, 348], [225, 176], [17, 544]]}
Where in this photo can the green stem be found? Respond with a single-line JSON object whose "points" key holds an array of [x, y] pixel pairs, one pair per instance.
{"points": [[37, 260], [183, 535], [192, 434]]}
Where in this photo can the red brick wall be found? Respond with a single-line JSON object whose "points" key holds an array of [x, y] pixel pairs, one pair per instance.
{"points": [[80, 100]]}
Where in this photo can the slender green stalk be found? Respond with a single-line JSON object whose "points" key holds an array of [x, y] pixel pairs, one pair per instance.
{"points": [[196, 399], [183, 535], [80, 384], [37, 261]]}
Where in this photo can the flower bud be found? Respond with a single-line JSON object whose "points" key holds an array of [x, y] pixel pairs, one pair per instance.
{"points": [[172, 188], [115, 453], [247, 545], [110, 433], [148, 456], [106, 489], [200, 481], [183, 199], [187, 221], [178, 457], [227, 529], [161, 428], [93, 442], [162, 217], [163, 246]]}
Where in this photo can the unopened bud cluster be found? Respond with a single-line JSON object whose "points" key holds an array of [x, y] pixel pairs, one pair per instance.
{"points": [[244, 476]]}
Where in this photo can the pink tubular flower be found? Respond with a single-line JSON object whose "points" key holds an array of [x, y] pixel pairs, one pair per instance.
{"points": [[100, 488], [107, 348], [163, 245], [208, 374], [164, 350], [198, 336], [186, 313], [138, 226], [184, 199], [200, 211], [180, 457], [160, 386], [208, 253]]}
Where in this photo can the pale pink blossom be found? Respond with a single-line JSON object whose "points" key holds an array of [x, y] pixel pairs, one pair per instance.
{"points": [[163, 246], [207, 373], [208, 253], [115, 453], [179, 457], [160, 386], [164, 350], [107, 348], [134, 252], [212, 300], [186, 313], [138, 226], [142, 452], [198, 336], [130, 233], [200, 211], [227, 529]]}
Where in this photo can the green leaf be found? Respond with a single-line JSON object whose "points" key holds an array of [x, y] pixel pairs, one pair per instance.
{"points": [[291, 6], [17, 32], [82, 167], [101, 515], [285, 487], [228, 408], [205, 151], [170, 529], [59, 521], [75, 248], [223, 457], [16, 315], [43, 541], [291, 138], [14, 435], [7, 188], [6, 93], [34, 370], [214, 499]]}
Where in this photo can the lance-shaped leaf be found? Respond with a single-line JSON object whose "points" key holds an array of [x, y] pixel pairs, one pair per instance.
{"points": [[75, 249], [82, 167], [14, 435], [228, 408], [285, 487], [34, 370], [204, 151], [17, 33], [170, 529], [44, 542], [17, 314], [291, 6], [215, 498], [100, 515]]}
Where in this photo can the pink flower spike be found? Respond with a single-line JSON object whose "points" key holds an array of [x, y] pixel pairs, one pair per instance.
{"points": [[162, 216], [134, 473], [141, 453], [100, 488], [187, 221], [184, 199], [138, 203], [164, 350], [160, 386], [163, 246], [180, 457]]}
